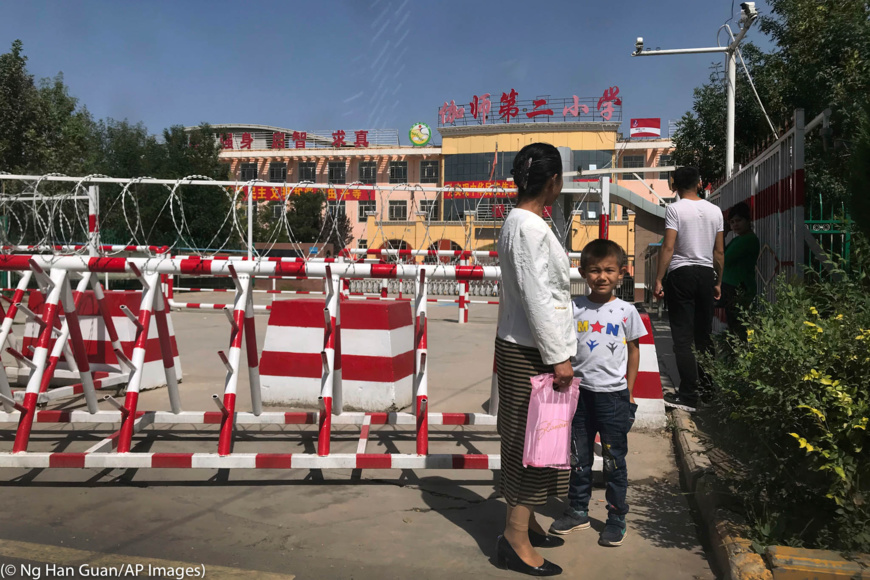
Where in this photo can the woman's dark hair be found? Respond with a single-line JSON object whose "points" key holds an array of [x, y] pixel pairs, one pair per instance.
{"points": [[740, 210], [534, 165]]}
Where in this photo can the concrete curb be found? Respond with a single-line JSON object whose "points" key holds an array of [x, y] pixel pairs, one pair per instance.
{"points": [[733, 555]]}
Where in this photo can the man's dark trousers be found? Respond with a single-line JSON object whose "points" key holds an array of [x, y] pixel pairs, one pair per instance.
{"points": [[689, 294]]}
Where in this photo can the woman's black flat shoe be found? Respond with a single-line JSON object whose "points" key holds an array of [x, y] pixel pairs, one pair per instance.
{"points": [[545, 540], [508, 559]]}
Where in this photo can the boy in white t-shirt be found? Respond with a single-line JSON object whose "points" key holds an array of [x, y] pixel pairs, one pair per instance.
{"points": [[608, 355]]}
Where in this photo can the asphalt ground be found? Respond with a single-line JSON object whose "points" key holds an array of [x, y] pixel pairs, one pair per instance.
{"points": [[371, 524]]}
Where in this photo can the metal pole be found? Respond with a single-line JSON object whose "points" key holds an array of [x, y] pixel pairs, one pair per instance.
{"points": [[421, 389], [40, 358], [150, 284], [250, 222], [731, 92], [225, 442], [604, 218]]}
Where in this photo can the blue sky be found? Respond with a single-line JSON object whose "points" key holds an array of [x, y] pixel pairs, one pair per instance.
{"points": [[366, 64]]}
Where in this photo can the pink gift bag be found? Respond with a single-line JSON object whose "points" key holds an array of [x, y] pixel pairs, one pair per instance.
{"points": [[548, 426]]}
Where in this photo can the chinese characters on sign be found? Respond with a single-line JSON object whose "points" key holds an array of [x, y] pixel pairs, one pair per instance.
{"points": [[604, 108], [273, 193], [500, 189], [298, 138]]}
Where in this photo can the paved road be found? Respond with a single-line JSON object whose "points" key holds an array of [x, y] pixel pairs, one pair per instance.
{"points": [[336, 524]]}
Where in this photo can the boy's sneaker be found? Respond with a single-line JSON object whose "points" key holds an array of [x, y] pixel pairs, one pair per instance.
{"points": [[569, 521], [614, 531]]}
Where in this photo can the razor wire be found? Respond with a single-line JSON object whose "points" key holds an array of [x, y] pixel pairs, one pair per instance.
{"points": [[50, 213]]}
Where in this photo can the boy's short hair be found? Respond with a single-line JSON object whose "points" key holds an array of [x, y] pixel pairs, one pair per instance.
{"points": [[686, 178], [597, 250]]}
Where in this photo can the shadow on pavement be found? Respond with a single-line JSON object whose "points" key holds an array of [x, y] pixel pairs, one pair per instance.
{"points": [[480, 517]]}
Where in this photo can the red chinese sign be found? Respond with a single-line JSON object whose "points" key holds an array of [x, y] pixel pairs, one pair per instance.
{"points": [[508, 189], [300, 138], [508, 107], [278, 193], [544, 108]]}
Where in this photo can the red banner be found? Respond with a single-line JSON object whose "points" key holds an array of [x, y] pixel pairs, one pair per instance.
{"points": [[499, 189], [273, 193]]}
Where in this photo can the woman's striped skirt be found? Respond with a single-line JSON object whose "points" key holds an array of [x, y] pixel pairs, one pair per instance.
{"points": [[516, 365]]}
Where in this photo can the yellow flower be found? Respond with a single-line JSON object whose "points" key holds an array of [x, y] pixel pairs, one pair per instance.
{"points": [[749, 335], [814, 311], [838, 317]]}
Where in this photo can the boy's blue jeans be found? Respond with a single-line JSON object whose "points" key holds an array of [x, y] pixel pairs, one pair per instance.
{"points": [[611, 416]]}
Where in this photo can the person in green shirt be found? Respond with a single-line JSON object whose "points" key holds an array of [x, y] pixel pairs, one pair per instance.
{"points": [[738, 280]]}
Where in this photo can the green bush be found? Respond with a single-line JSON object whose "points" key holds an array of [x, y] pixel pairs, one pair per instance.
{"points": [[792, 406]]}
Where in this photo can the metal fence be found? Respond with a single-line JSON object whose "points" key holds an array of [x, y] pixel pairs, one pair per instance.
{"points": [[772, 184]]}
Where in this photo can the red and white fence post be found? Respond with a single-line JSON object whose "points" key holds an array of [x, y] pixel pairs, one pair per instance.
{"points": [[237, 320], [463, 297], [5, 331], [253, 357], [54, 287], [421, 371], [604, 219], [166, 351], [330, 377], [150, 285], [73, 331]]}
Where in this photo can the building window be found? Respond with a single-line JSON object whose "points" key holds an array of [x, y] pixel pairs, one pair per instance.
{"points": [[365, 207], [429, 171], [362, 244], [431, 208], [248, 171], [278, 172], [664, 161], [632, 161], [368, 172], [398, 172], [307, 171], [278, 211], [336, 208], [398, 211], [337, 171]]}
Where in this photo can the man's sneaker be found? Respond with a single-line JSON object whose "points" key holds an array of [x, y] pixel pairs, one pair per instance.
{"points": [[678, 401], [614, 531], [569, 521]]}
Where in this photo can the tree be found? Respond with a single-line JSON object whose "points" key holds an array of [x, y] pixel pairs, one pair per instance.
{"points": [[305, 216], [310, 221], [821, 60], [19, 113], [336, 230]]}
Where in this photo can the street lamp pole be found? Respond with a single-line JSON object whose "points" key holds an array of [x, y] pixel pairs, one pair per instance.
{"points": [[748, 16]]}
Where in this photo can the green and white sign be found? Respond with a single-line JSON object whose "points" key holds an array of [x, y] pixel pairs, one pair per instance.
{"points": [[420, 134]]}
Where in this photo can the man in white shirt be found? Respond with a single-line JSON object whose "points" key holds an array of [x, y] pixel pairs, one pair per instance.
{"points": [[693, 256]]}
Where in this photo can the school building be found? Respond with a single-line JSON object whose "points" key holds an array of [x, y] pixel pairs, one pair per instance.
{"points": [[478, 143]]}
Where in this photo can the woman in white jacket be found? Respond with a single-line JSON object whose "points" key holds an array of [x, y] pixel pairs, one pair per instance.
{"points": [[534, 336]]}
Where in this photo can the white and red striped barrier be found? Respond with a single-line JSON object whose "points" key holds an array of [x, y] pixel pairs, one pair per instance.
{"points": [[376, 354], [393, 336], [101, 340], [648, 392]]}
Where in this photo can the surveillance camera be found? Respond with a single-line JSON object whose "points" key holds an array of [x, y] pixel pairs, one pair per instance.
{"points": [[638, 45], [749, 11]]}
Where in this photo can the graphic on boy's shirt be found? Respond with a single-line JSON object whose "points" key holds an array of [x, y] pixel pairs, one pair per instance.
{"points": [[609, 328]]}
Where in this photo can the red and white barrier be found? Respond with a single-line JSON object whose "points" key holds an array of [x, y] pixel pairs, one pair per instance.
{"points": [[648, 392], [376, 360], [101, 342]]}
